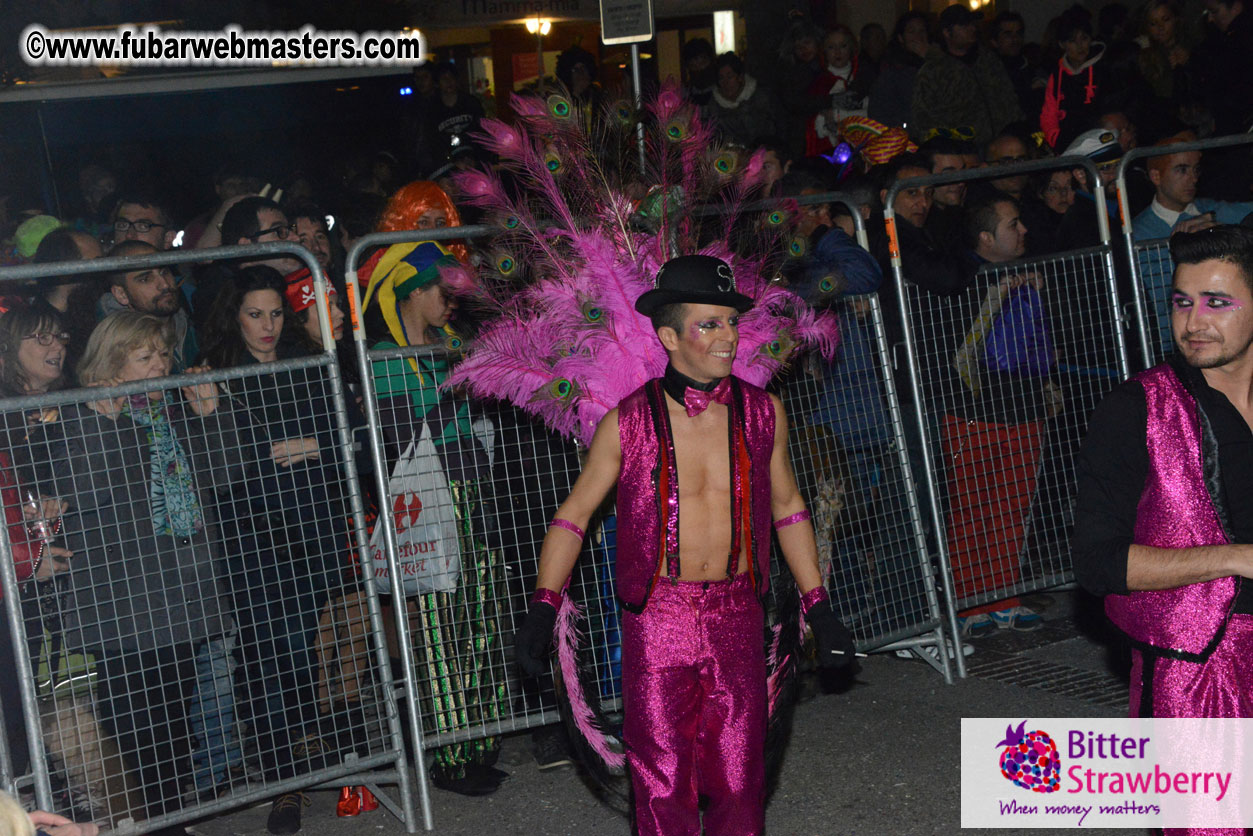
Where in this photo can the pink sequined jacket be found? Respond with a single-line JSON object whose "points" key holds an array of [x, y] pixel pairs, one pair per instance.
{"points": [[1178, 509]]}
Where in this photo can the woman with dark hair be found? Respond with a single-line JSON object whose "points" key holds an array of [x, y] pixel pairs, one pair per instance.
{"points": [[1166, 61], [32, 354], [289, 522], [32, 351], [1045, 203], [74, 299], [892, 93]]}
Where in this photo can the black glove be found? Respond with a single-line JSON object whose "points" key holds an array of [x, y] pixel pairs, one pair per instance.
{"points": [[534, 637], [833, 640]]}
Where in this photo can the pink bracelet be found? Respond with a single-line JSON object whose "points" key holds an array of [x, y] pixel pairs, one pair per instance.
{"points": [[547, 596], [799, 516], [558, 522], [812, 597]]}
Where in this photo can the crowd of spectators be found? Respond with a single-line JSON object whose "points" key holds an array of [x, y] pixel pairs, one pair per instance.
{"points": [[243, 540]]}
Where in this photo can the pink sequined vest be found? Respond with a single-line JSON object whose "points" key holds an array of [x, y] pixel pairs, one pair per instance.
{"points": [[648, 486], [1176, 511]]}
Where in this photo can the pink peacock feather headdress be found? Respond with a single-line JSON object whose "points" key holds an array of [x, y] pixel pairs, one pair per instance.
{"points": [[591, 230]]}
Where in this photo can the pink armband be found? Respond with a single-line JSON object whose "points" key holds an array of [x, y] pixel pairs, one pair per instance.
{"points": [[799, 516], [558, 522], [547, 596], [812, 597]]}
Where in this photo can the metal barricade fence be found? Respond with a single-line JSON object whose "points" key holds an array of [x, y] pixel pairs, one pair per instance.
{"points": [[1152, 270], [208, 641], [849, 450], [1002, 421]]}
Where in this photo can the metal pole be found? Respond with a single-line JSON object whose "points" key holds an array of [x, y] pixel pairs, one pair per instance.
{"points": [[50, 174], [539, 54], [929, 465], [639, 102]]}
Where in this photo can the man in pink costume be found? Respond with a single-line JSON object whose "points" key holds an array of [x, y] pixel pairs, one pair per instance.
{"points": [[1164, 517], [700, 461]]}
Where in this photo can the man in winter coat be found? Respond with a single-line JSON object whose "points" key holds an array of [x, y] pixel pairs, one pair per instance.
{"points": [[961, 85]]}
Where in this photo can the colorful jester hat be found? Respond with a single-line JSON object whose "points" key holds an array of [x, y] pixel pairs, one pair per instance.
{"points": [[577, 250]]}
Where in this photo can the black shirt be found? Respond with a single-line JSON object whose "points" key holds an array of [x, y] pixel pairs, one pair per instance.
{"points": [[1113, 465]]}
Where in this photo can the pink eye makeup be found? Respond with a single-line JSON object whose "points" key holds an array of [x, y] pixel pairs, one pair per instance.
{"points": [[1216, 302]]}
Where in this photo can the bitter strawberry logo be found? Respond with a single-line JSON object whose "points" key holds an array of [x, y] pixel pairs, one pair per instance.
{"points": [[406, 509], [1030, 759]]}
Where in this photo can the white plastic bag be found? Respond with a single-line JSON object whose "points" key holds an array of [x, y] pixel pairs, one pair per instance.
{"points": [[428, 553]]}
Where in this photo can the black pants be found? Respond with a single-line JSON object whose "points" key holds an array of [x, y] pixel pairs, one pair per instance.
{"points": [[142, 698], [11, 700]]}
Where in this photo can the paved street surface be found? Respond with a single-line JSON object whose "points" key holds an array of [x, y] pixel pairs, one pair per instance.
{"points": [[879, 758]]}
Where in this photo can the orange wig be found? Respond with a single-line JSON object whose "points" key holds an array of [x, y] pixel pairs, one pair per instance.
{"points": [[410, 202]]}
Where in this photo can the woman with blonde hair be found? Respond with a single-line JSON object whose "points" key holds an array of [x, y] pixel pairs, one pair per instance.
{"points": [[137, 475], [14, 821]]}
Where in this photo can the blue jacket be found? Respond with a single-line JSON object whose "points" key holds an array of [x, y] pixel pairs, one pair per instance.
{"points": [[850, 402], [1147, 225]]}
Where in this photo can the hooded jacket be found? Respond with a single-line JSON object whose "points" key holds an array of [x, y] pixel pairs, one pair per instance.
{"points": [[1073, 98]]}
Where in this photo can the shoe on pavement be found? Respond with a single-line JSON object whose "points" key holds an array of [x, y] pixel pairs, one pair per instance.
{"points": [[1017, 618], [977, 626], [472, 782], [284, 817], [552, 748]]}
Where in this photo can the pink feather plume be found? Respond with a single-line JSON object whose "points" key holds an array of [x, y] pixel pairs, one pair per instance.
{"points": [[581, 711]]}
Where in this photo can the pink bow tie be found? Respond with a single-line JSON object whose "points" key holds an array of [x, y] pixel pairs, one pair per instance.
{"points": [[696, 401]]}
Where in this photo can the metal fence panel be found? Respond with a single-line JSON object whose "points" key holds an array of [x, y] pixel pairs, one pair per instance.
{"points": [[1003, 442], [846, 446], [209, 642], [506, 475], [1155, 272]]}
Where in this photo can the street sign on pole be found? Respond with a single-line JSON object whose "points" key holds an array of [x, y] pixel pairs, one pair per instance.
{"points": [[626, 21]]}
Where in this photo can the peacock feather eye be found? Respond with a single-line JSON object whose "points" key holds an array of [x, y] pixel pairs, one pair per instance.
{"points": [[676, 130], [798, 246], [592, 313], [777, 217], [559, 106], [552, 162], [826, 285], [453, 342], [560, 388], [512, 222], [726, 162], [505, 263], [774, 348], [624, 112]]}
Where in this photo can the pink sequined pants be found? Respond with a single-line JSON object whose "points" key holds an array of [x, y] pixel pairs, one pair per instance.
{"points": [[1222, 687], [694, 700]]}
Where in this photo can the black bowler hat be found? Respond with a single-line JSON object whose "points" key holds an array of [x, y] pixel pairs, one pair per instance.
{"points": [[700, 279]]}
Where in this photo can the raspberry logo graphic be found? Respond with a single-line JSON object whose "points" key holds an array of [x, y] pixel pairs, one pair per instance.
{"points": [[1030, 759], [406, 509]]}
